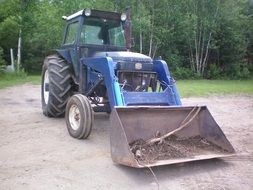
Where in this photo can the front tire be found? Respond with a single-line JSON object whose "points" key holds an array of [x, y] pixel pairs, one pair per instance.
{"points": [[79, 116], [55, 86]]}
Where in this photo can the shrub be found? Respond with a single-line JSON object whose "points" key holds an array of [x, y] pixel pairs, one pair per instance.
{"points": [[2, 61], [238, 71], [184, 73], [213, 72]]}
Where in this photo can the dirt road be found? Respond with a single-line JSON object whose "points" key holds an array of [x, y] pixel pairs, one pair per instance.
{"points": [[37, 153]]}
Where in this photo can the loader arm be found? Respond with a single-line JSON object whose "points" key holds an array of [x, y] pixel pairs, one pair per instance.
{"points": [[105, 66], [118, 97], [164, 76]]}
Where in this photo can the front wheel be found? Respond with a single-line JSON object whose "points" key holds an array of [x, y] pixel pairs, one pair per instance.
{"points": [[79, 116]]}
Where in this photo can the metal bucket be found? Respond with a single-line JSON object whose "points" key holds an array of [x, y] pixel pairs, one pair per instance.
{"points": [[129, 124]]}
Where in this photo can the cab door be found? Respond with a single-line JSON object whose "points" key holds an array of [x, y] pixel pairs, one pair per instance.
{"points": [[70, 44]]}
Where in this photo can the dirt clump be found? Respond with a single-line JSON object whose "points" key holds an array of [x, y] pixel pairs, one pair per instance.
{"points": [[172, 148]]}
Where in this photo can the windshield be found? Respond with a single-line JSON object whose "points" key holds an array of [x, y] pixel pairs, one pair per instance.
{"points": [[99, 31]]}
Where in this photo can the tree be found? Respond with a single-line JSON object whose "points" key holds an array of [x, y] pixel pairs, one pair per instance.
{"points": [[2, 61], [202, 16], [195, 37]]}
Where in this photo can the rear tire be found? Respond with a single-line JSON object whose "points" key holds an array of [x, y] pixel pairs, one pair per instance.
{"points": [[55, 86], [79, 116]]}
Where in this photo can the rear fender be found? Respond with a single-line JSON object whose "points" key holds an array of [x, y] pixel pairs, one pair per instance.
{"points": [[65, 54]]}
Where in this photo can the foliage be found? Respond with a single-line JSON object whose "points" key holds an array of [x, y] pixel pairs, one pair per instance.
{"points": [[238, 71], [213, 72], [2, 61], [184, 73], [197, 38]]}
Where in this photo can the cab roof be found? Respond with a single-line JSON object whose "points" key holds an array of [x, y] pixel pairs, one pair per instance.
{"points": [[95, 13]]}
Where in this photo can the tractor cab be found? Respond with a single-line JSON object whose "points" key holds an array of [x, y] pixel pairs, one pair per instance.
{"points": [[89, 32], [96, 34], [96, 31], [97, 28]]}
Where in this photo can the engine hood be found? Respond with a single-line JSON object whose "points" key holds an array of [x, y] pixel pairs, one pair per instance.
{"points": [[125, 56]]}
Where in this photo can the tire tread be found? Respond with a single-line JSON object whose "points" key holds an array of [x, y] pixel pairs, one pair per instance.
{"points": [[60, 88]]}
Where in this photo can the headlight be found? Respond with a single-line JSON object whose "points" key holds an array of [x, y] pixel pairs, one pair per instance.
{"points": [[123, 17], [87, 12]]}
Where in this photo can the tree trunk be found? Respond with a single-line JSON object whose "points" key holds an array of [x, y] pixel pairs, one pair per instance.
{"points": [[154, 51], [140, 25], [151, 30], [205, 23], [140, 41], [19, 50]]}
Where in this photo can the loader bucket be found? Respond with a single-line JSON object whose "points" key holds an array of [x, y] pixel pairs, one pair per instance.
{"points": [[200, 138]]}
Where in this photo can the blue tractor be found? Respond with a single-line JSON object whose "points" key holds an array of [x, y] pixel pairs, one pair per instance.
{"points": [[95, 71]]}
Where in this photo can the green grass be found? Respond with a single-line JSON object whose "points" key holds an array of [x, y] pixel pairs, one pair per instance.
{"points": [[13, 79], [189, 88]]}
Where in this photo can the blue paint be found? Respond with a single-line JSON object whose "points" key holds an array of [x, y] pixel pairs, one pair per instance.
{"points": [[65, 54], [163, 75], [105, 66], [118, 94], [147, 98]]}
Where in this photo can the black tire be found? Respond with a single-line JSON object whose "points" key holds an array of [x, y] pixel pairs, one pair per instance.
{"points": [[79, 116], [56, 91]]}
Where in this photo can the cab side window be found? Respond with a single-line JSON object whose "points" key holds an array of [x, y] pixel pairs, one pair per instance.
{"points": [[71, 33]]}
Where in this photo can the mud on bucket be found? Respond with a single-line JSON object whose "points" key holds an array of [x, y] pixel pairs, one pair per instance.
{"points": [[153, 136]]}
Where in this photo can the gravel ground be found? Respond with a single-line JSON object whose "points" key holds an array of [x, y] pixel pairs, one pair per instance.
{"points": [[36, 152]]}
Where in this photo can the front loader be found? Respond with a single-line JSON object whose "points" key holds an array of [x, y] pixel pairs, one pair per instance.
{"points": [[94, 71]]}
